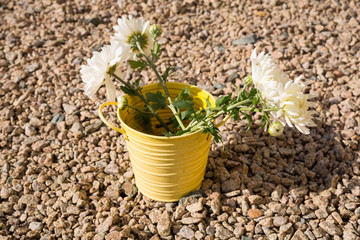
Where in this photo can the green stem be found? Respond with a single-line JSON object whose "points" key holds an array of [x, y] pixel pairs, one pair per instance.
{"points": [[196, 125], [145, 101], [171, 106], [176, 114], [122, 81], [231, 107], [259, 110], [154, 69], [139, 110]]}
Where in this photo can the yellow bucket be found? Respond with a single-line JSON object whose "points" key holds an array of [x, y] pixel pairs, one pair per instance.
{"points": [[165, 168]]}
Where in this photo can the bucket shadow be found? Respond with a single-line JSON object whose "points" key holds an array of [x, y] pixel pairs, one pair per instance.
{"points": [[293, 165]]}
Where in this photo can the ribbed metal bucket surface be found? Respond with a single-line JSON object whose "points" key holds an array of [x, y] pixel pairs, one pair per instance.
{"points": [[166, 168]]}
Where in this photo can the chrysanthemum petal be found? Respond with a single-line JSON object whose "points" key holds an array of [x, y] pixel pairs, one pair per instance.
{"points": [[110, 89], [97, 70]]}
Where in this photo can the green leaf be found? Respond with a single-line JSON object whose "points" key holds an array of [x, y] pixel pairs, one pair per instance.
{"points": [[158, 98], [238, 92], [249, 118], [168, 71], [208, 112], [183, 104], [167, 134], [143, 120], [137, 82], [174, 123], [252, 93], [128, 91], [186, 113], [157, 48], [140, 65], [184, 94], [235, 114], [208, 103], [223, 100], [155, 52], [214, 131]]}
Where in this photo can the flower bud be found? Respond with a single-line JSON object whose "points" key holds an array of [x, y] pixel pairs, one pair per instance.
{"points": [[122, 102], [276, 129], [155, 31], [248, 81]]}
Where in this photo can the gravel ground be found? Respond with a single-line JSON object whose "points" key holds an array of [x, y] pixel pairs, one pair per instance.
{"points": [[65, 175]]}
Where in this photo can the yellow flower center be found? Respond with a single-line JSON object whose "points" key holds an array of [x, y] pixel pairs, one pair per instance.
{"points": [[137, 37], [111, 69]]}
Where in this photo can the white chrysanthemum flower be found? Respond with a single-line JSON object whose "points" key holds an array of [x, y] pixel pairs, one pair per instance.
{"points": [[98, 70], [264, 70], [270, 90], [293, 107], [129, 31]]}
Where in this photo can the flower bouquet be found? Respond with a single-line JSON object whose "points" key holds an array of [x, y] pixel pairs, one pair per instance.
{"points": [[167, 125]]}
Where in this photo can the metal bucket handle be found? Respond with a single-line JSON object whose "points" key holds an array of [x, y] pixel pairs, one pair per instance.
{"points": [[110, 125]]}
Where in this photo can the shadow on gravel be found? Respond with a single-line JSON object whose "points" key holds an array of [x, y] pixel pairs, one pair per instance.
{"points": [[294, 165]]}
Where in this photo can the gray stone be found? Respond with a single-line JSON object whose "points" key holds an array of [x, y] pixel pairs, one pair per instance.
{"points": [[39, 145], [239, 231], [244, 40], [179, 212], [164, 224], [246, 238], [255, 199], [59, 117], [93, 127], [186, 232], [309, 234], [28, 199], [350, 235], [94, 20], [280, 221], [190, 220], [29, 130], [78, 196], [219, 85], [6, 207], [112, 192], [33, 67], [223, 233], [299, 235], [321, 213], [112, 168], [210, 230], [105, 225], [195, 207], [285, 228], [215, 206], [335, 100], [266, 222], [232, 77], [77, 130], [73, 210], [299, 192], [129, 189], [35, 226], [69, 109], [330, 228], [5, 168], [231, 185], [196, 194], [319, 232]]}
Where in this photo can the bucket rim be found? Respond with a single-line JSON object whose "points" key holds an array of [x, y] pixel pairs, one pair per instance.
{"points": [[165, 137]]}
